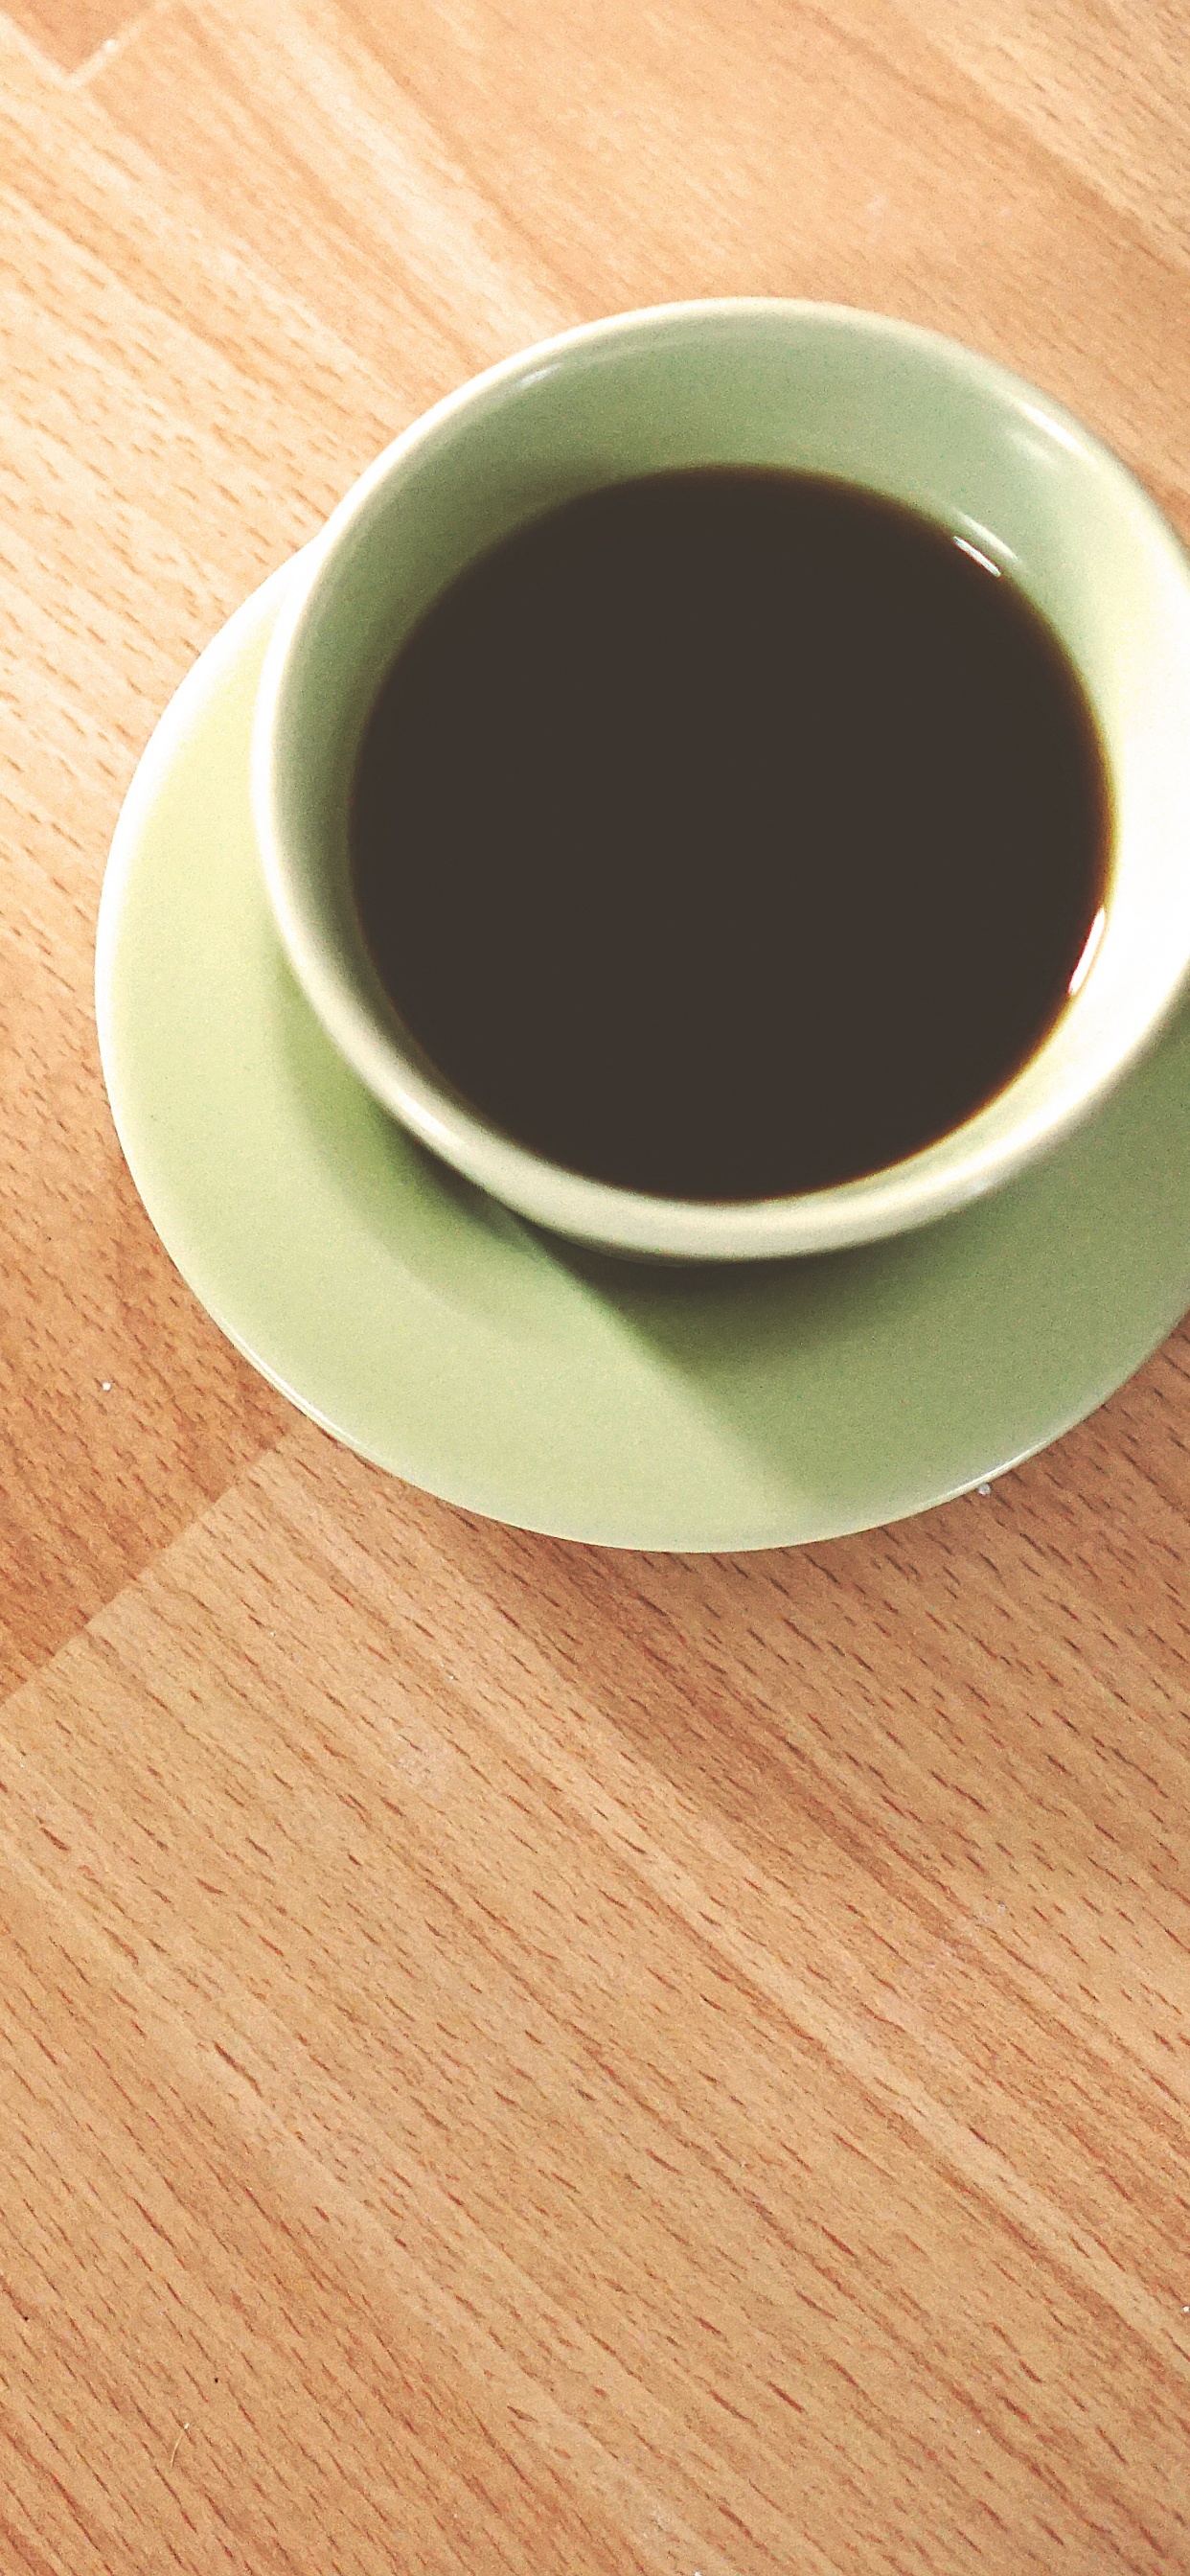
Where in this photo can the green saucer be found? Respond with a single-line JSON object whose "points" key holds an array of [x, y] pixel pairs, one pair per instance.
{"points": [[743, 1407]]}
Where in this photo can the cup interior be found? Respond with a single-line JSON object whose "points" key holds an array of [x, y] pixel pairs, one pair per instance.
{"points": [[873, 402]]}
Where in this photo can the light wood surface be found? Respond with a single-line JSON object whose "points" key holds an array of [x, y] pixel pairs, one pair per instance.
{"points": [[512, 2056]]}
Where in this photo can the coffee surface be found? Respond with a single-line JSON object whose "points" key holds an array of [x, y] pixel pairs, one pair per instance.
{"points": [[729, 833]]}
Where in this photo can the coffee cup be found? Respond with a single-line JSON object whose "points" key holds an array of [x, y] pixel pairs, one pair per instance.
{"points": [[872, 403]]}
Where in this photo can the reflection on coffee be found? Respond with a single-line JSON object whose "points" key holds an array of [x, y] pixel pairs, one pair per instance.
{"points": [[729, 833]]}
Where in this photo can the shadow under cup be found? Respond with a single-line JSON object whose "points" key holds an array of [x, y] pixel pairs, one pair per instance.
{"points": [[869, 401]]}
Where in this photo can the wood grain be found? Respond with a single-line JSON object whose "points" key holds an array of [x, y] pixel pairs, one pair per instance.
{"points": [[74, 32], [515, 2056]]}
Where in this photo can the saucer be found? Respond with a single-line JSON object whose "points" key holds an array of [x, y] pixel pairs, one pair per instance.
{"points": [[738, 1407]]}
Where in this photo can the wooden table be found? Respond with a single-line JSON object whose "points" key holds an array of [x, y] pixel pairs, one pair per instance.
{"points": [[515, 2057]]}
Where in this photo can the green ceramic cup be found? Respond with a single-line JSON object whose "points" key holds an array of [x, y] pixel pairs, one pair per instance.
{"points": [[878, 403]]}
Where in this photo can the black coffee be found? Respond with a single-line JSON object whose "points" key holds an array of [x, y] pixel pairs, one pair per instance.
{"points": [[729, 833]]}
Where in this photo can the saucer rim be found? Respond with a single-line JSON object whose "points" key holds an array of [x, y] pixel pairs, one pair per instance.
{"points": [[181, 720]]}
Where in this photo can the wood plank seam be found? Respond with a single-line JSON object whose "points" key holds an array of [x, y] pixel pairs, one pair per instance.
{"points": [[113, 45]]}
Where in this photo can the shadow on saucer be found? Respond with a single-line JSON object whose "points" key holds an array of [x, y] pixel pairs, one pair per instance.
{"points": [[873, 1378]]}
